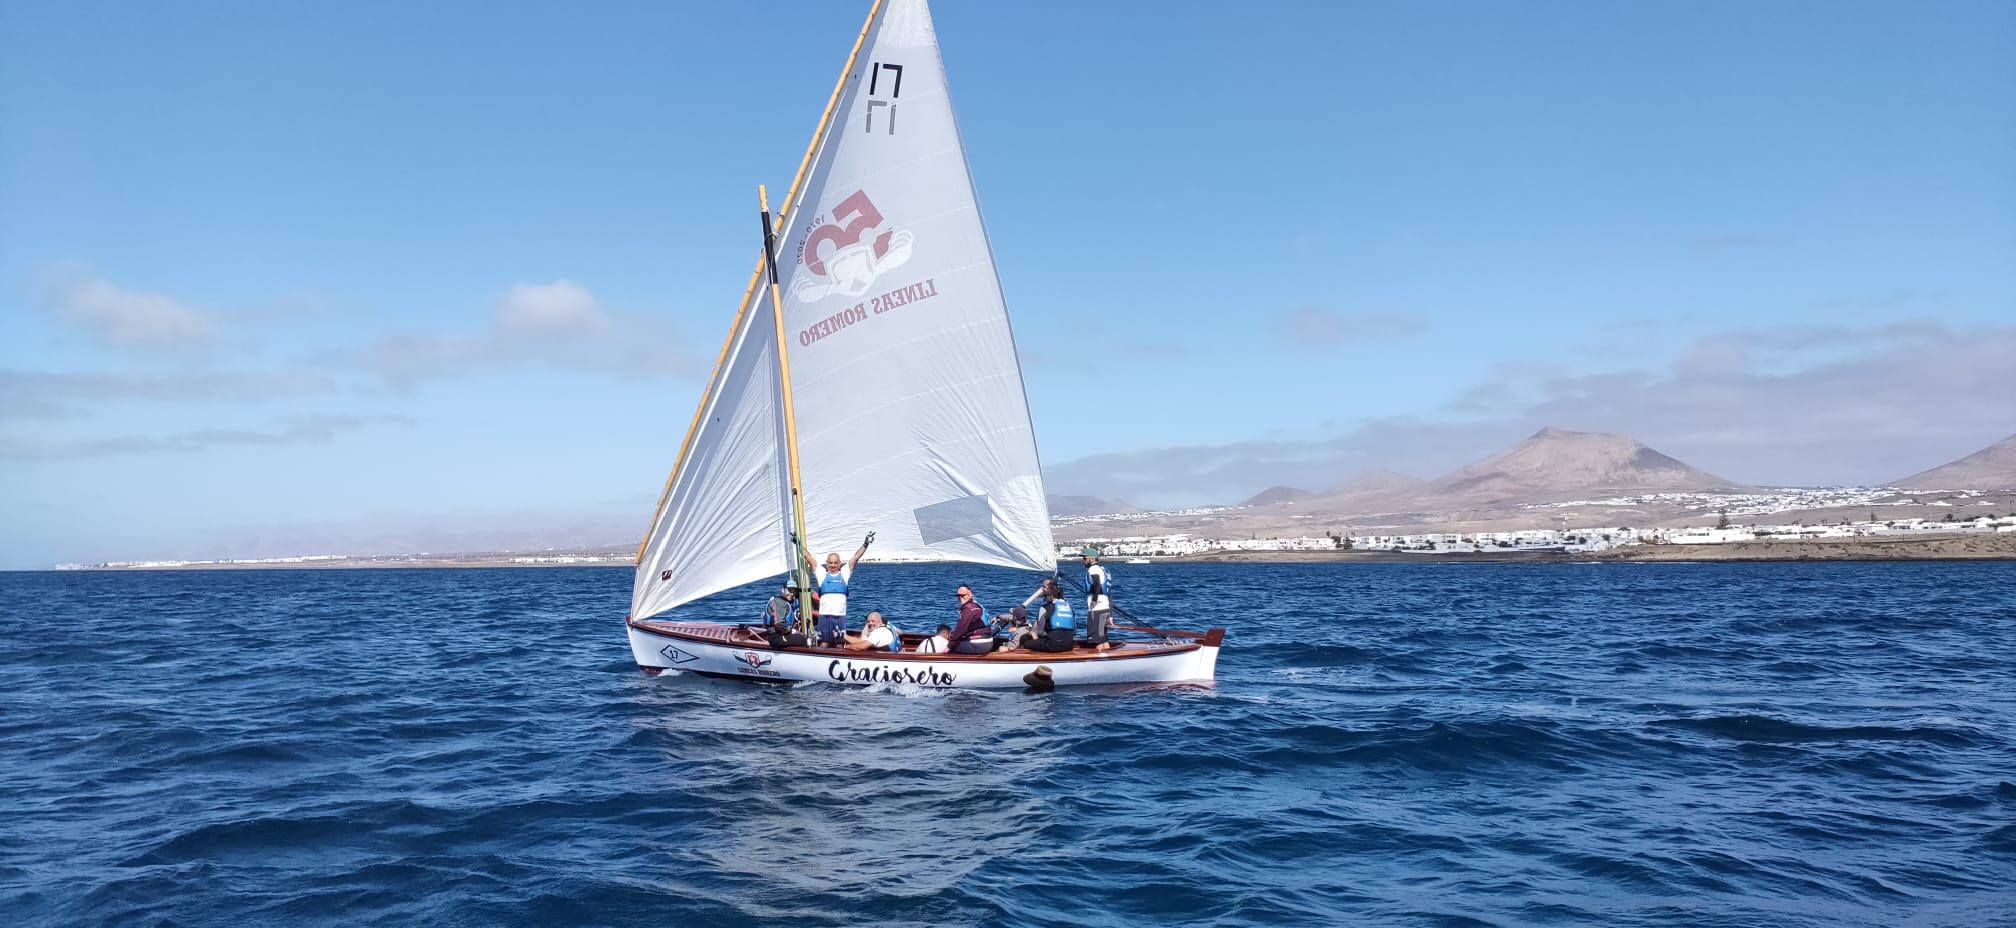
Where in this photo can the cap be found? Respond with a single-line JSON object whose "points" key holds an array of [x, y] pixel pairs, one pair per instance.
{"points": [[1089, 551]]}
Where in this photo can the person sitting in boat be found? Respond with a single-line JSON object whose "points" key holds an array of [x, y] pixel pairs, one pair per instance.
{"points": [[1098, 604], [786, 637], [1012, 627], [832, 581], [1056, 629], [972, 635], [938, 643], [783, 609], [781, 625], [877, 636]]}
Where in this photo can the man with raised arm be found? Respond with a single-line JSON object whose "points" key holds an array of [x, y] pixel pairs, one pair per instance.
{"points": [[831, 581]]}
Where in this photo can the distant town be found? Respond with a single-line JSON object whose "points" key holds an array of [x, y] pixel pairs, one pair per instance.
{"points": [[1571, 541], [1561, 492], [1948, 514]]}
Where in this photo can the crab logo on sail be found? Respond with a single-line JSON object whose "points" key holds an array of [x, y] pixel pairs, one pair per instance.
{"points": [[847, 254]]}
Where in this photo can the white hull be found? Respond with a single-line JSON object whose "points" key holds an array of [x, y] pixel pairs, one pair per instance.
{"points": [[718, 650]]}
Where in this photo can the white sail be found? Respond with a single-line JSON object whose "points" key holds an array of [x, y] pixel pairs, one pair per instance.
{"points": [[722, 521], [911, 417]]}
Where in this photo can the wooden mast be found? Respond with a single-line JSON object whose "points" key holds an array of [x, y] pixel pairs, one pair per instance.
{"points": [[756, 281], [795, 514]]}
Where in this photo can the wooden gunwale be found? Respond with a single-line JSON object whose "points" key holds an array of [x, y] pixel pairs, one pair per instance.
{"points": [[1134, 651]]}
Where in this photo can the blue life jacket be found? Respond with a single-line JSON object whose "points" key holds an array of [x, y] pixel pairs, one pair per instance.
{"points": [[834, 585], [1062, 617], [895, 639]]}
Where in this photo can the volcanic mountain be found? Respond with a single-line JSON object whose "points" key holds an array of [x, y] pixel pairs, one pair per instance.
{"points": [[1273, 495], [1557, 463], [1991, 468]]}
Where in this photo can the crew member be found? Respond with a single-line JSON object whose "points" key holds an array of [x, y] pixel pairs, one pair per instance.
{"points": [[1098, 604], [783, 611], [1056, 629], [972, 635], [781, 629], [832, 581], [877, 636]]}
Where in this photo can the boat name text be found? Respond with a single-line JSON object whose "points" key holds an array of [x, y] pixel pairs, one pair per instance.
{"points": [[849, 672]]}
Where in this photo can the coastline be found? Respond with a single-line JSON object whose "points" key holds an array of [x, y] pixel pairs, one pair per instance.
{"points": [[1945, 547], [1362, 557], [2000, 546], [1951, 547]]}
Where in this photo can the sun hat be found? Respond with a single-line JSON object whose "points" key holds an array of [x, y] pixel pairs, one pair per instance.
{"points": [[1039, 676]]}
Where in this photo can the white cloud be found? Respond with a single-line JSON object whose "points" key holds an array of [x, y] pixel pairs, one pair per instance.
{"points": [[294, 430], [1845, 404], [126, 319], [1225, 473], [559, 324], [1808, 405], [55, 394], [1317, 326], [562, 307]]}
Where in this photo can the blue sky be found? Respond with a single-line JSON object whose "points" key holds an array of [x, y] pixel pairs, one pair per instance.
{"points": [[282, 279]]}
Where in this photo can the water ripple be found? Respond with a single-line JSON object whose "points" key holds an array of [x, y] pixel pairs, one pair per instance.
{"points": [[1670, 744]]}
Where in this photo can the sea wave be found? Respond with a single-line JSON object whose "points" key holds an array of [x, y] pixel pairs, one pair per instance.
{"points": [[1661, 744]]}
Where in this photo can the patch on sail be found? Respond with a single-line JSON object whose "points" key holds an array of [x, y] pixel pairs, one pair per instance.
{"points": [[954, 518]]}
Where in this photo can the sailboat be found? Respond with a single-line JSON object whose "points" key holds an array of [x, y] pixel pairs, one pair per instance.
{"points": [[869, 383]]}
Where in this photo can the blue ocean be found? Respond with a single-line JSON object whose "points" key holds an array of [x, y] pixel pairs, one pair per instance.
{"points": [[1387, 744]]}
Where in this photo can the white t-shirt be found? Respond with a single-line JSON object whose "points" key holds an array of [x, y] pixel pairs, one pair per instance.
{"points": [[880, 637], [831, 603], [1097, 573], [936, 644]]}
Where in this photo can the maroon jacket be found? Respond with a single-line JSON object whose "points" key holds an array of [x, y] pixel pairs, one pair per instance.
{"points": [[972, 621]]}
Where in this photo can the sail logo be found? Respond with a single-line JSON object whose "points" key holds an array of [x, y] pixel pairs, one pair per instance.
{"points": [[846, 255], [754, 662]]}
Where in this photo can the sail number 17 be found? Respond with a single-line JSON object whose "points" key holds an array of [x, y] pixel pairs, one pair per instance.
{"points": [[876, 83]]}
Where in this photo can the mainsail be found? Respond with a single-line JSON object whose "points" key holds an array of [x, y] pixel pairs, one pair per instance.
{"points": [[911, 417], [912, 421]]}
